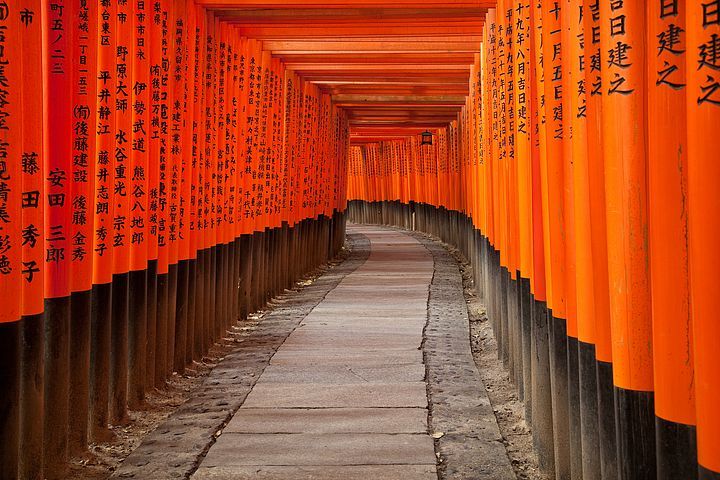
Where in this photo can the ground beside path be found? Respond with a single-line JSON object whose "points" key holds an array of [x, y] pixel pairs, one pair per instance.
{"points": [[366, 374]]}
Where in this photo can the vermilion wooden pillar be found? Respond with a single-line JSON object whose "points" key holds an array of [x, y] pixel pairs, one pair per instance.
{"points": [[556, 129], [522, 39], [542, 414], [570, 17], [120, 235], [11, 251], [703, 116], [101, 313], [596, 182], [57, 168], [84, 152], [624, 133], [577, 93], [667, 189], [138, 215], [33, 255]]}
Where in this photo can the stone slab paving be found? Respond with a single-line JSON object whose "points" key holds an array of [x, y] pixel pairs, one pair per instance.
{"points": [[329, 420], [327, 395], [335, 373], [345, 395], [345, 472], [345, 380], [339, 357], [175, 447], [326, 449]]}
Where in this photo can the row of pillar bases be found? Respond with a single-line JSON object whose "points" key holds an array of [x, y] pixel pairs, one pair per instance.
{"points": [[71, 372], [583, 426]]}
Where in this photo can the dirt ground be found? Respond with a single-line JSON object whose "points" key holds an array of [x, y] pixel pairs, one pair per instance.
{"points": [[509, 410]]}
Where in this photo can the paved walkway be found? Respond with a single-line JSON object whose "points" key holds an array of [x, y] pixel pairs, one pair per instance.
{"points": [[345, 378], [344, 397]]}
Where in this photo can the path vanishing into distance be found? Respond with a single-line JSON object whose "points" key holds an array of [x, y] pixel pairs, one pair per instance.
{"points": [[365, 374]]}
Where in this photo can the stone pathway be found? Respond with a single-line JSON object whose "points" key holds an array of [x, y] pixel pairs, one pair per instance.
{"points": [[366, 373], [344, 397]]}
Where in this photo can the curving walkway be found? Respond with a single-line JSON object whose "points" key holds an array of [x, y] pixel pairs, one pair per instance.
{"points": [[364, 374], [344, 396]]}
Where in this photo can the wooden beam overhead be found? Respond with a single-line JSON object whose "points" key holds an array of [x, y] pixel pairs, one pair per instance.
{"points": [[393, 120], [258, 15], [387, 79], [374, 68], [393, 111], [397, 89], [293, 60], [420, 123], [388, 46], [340, 31], [240, 4], [398, 100], [395, 68], [379, 131]]}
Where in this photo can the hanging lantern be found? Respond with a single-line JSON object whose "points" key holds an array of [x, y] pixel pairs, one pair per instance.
{"points": [[426, 138]]}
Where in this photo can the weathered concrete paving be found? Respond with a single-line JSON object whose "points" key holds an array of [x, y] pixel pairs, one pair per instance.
{"points": [[341, 381], [344, 396]]}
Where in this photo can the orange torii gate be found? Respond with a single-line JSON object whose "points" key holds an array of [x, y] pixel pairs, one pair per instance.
{"points": [[166, 166]]}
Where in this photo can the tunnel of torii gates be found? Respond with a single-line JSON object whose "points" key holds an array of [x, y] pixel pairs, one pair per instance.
{"points": [[167, 166]]}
